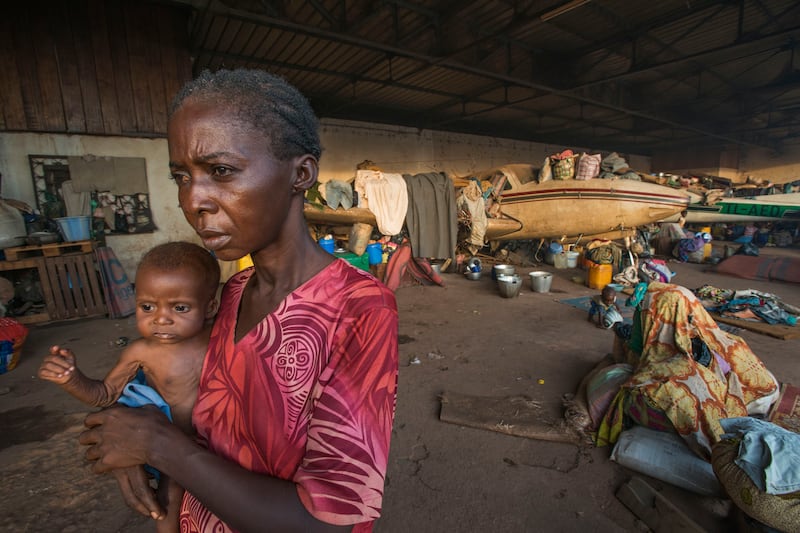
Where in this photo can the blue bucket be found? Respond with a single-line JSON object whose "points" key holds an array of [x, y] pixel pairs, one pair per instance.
{"points": [[75, 228], [328, 245], [375, 253]]}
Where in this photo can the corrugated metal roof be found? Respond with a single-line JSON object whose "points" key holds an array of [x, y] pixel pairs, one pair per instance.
{"points": [[593, 71]]}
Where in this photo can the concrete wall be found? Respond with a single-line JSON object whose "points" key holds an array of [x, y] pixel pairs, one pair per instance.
{"points": [[768, 165], [345, 144], [18, 183], [736, 164], [412, 151]]}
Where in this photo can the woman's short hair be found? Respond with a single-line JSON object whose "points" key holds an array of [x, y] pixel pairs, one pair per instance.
{"points": [[267, 102]]}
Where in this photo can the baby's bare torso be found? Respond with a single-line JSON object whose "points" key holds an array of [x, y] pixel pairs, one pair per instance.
{"points": [[173, 370]]}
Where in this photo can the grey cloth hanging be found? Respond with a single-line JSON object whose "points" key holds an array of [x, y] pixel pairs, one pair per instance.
{"points": [[431, 216]]}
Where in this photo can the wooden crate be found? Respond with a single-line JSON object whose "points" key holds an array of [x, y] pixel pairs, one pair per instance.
{"points": [[47, 250], [71, 287]]}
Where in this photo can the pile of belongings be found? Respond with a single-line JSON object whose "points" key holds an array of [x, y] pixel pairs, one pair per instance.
{"points": [[383, 193], [656, 270], [567, 165], [648, 270], [691, 248], [614, 166], [711, 189], [747, 304], [603, 252]]}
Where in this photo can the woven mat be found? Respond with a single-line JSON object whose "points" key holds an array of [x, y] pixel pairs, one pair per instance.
{"points": [[513, 415], [778, 331]]}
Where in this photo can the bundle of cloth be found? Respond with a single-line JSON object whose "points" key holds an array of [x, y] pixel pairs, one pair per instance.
{"points": [[602, 251], [685, 248], [688, 373], [758, 464], [748, 304]]}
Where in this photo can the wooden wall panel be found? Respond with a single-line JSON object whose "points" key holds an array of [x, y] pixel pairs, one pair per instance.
{"points": [[12, 112], [47, 68], [106, 67], [106, 82], [146, 16], [170, 72], [67, 69], [32, 103], [78, 16], [139, 67], [155, 83], [121, 62]]}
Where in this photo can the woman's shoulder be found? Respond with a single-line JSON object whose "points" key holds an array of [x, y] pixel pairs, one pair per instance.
{"points": [[354, 286]]}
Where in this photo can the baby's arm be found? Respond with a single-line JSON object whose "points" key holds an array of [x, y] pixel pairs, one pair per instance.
{"points": [[60, 367]]}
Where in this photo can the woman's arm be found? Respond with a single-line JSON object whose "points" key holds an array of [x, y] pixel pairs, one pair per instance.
{"points": [[121, 437], [170, 495]]}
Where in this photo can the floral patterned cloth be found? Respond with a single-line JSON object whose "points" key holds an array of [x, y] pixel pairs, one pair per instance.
{"points": [[693, 397]]}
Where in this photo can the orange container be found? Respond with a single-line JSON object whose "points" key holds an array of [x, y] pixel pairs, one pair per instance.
{"points": [[707, 249], [599, 275]]}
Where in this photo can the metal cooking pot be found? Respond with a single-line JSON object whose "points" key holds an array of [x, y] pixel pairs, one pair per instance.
{"points": [[509, 286]]}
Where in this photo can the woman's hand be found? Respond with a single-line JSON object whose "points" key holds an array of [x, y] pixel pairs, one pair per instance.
{"points": [[137, 493], [121, 437], [120, 440]]}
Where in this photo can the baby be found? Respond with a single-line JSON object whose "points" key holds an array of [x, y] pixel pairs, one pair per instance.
{"points": [[176, 300], [604, 311]]}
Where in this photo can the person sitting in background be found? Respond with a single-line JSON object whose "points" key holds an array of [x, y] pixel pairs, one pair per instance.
{"points": [[761, 237], [603, 310], [688, 373], [746, 234]]}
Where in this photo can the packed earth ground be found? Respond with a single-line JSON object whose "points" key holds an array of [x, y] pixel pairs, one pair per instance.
{"points": [[462, 338]]}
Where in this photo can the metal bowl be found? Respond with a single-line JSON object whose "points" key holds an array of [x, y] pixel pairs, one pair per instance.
{"points": [[42, 237], [503, 270], [473, 275]]}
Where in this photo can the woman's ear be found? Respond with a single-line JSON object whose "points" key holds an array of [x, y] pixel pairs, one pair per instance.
{"points": [[306, 171]]}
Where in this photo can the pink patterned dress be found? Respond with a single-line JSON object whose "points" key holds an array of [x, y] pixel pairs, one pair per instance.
{"points": [[307, 395]]}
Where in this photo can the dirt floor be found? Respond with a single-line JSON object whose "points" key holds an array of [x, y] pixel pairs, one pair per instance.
{"points": [[460, 338]]}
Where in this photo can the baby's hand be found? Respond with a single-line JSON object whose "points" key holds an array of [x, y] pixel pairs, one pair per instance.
{"points": [[59, 366]]}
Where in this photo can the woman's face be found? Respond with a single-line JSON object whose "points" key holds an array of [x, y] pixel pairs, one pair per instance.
{"points": [[233, 192]]}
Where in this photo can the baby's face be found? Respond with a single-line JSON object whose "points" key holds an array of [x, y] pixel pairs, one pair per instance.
{"points": [[170, 307], [609, 299]]}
